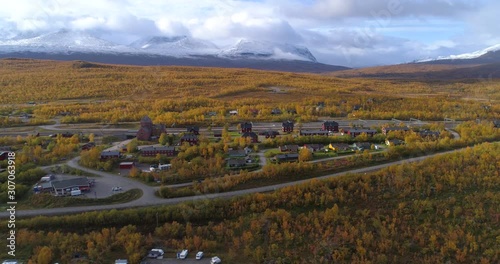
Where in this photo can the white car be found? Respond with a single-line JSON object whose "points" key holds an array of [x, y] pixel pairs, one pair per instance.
{"points": [[215, 260], [199, 255], [116, 189]]}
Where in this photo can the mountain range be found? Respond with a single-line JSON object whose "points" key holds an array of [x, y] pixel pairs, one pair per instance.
{"points": [[163, 50], [256, 54]]}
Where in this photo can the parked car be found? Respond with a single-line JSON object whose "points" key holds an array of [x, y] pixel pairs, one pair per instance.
{"points": [[156, 253], [116, 189], [199, 255], [215, 260], [183, 254]]}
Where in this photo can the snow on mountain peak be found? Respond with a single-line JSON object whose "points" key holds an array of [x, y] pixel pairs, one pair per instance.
{"points": [[267, 50], [176, 45], [466, 56], [64, 41], [60, 41]]}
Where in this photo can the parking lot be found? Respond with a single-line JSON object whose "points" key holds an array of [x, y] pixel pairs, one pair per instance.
{"points": [[102, 187], [177, 261]]}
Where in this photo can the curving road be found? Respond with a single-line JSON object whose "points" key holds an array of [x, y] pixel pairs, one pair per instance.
{"points": [[149, 199]]}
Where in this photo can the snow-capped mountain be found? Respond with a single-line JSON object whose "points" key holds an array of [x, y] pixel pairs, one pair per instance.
{"points": [[487, 55], [267, 50], [175, 46], [60, 42], [162, 50]]}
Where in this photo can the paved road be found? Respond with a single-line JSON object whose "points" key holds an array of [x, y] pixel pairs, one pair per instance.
{"points": [[76, 128], [149, 199]]}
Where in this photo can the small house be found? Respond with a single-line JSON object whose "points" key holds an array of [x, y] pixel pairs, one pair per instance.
{"points": [[192, 139], [289, 148], [314, 147], [127, 165], [237, 153], [193, 129], [331, 126], [287, 158], [105, 155], [361, 146], [246, 127], [236, 163], [287, 126], [254, 137]]}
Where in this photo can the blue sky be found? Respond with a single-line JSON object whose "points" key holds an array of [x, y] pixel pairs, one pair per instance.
{"points": [[343, 32]]}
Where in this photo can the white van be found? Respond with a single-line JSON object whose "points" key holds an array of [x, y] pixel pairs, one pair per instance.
{"points": [[183, 254], [164, 166], [215, 260], [76, 192]]}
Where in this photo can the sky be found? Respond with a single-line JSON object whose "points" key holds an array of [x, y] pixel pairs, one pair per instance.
{"points": [[354, 33]]}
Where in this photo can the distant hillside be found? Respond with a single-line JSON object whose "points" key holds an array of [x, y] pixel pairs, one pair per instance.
{"points": [[201, 61], [432, 71]]}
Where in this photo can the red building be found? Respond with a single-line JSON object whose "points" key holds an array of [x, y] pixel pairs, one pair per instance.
{"points": [[192, 139], [252, 135], [354, 132], [4, 155], [330, 126], [246, 127], [148, 129], [127, 165], [287, 126], [152, 151]]}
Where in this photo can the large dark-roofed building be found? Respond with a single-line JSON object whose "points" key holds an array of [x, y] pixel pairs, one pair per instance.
{"points": [[64, 186]]}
